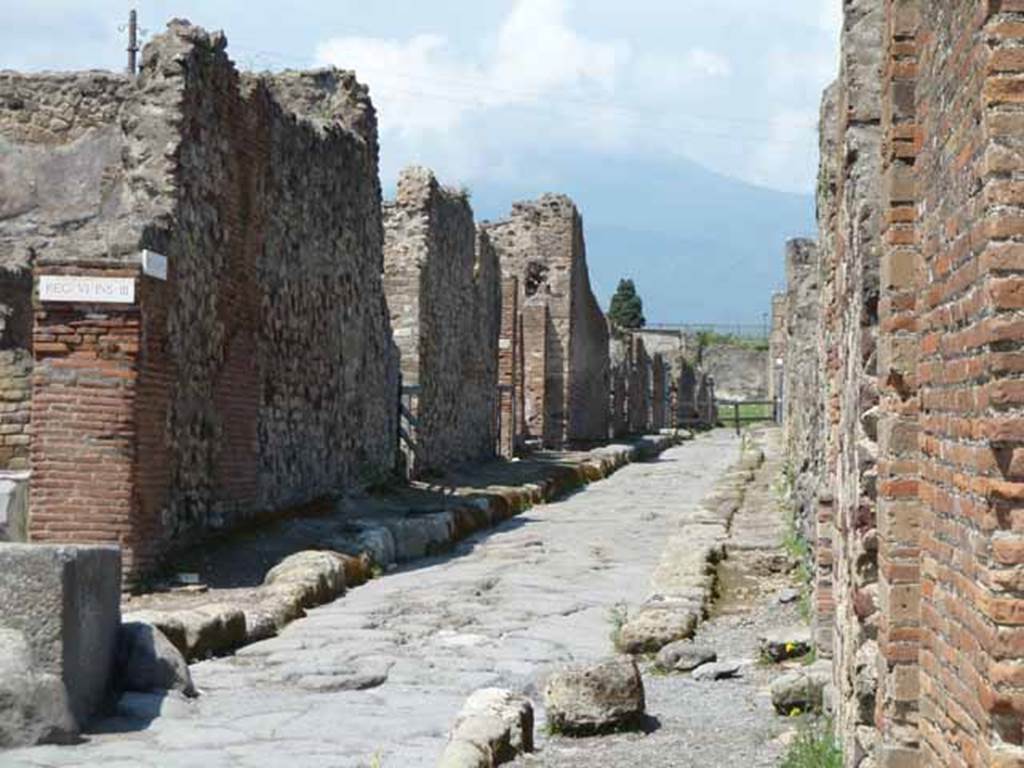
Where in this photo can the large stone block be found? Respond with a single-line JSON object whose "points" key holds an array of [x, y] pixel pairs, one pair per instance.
{"points": [[66, 602]]}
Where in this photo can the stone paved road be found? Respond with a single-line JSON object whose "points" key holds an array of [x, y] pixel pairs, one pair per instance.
{"points": [[502, 611]]}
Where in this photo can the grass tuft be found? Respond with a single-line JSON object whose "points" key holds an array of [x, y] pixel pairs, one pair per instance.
{"points": [[618, 615], [814, 747]]}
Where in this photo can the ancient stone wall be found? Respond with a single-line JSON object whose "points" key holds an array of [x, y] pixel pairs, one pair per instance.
{"points": [[804, 401], [55, 129], [777, 346], [238, 385], [740, 372], [680, 351], [443, 290], [621, 363], [643, 392], [15, 361], [927, 631], [638, 390], [541, 244], [899, 506], [855, 322], [659, 393]]}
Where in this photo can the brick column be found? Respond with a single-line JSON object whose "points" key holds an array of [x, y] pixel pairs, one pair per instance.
{"points": [[83, 453], [508, 355], [535, 371], [899, 509]]}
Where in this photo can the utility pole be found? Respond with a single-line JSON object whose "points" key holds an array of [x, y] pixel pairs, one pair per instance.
{"points": [[133, 42]]}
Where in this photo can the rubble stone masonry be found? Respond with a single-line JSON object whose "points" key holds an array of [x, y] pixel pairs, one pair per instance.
{"points": [[443, 289], [260, 375]]}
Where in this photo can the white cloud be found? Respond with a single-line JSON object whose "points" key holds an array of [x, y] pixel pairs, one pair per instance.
{"points": [[421, 85], [538, 80], [539, 51], [708, 63], [783, 160], [556, 80]]}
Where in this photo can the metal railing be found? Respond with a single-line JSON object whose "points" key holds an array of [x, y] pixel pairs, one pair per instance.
{"points": [[751, 331]]}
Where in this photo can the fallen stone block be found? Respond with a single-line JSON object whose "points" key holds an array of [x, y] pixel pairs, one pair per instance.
{"points": [[684, 656], [494, 727], [720, 670], [652, 628], [65, 601], [147, 661], [595, 698], [801, 690], [172, 627]]}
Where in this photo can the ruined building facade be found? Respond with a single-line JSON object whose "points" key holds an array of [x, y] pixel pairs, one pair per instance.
{"points": [[208, 316], [258, 372], [563, 331], [919, 279], [443, 288]]}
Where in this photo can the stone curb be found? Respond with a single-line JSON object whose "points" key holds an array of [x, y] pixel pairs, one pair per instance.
{"points": [[494, 727], [684, 581], [307, 579]]}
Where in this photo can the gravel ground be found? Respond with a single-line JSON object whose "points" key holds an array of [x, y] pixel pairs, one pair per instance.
{"points": [[715, 723]]}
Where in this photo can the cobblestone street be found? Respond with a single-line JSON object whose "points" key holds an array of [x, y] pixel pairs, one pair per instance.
{"points": [[377, 677]]}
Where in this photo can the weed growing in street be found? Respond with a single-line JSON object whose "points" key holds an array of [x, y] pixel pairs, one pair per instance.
{"points": [[814, 747], [618, 615]]}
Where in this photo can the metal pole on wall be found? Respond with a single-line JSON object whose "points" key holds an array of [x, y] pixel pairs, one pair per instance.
{"points": [[133, 42]]}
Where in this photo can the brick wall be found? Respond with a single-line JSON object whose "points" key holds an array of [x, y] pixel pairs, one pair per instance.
{"points": [[510, 395], [969, 113], [945, 687]]}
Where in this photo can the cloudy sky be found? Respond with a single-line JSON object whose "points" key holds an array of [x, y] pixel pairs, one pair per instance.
{"points": [[472, 88]]}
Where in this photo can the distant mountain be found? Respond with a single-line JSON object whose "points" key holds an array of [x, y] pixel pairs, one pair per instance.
{"points": [[701, 247]]}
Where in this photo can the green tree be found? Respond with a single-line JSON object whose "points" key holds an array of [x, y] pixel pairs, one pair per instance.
{"points": [[627, 308]]}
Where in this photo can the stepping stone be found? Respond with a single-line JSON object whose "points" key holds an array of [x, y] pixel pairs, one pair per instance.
{"points": [[595, 698]]}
